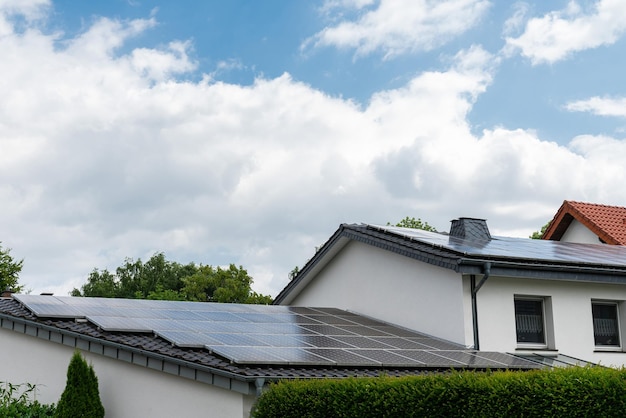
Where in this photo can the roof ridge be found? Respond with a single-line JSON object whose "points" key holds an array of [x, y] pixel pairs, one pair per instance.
{"points": [[594, 204]]}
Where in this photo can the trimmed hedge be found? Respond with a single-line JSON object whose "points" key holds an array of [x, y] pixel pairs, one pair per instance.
{"points": [[566, 392]]}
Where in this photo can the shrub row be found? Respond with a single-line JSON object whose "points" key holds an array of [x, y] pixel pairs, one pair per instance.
{"points": [[567, 392]]}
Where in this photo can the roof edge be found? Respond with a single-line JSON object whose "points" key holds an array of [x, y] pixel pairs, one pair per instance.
{"points": [[136, 356]]}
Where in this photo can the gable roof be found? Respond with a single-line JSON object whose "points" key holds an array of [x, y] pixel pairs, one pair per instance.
{"points": [[240, 347], [607, 222], [505, 256]]}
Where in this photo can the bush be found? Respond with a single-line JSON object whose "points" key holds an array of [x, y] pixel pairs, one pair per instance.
{"points": [[17, 401], [81, 397], [569, 392]]}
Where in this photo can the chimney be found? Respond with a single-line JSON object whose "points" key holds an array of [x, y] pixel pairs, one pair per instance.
{"points": [[471, 229]]}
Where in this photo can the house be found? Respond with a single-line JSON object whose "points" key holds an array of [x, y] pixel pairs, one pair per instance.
{"points": [[192, 359], [588, 223], [491, 293]]}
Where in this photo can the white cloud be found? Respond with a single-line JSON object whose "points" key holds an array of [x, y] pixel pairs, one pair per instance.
{"points": [[105, 156], [601, 106], [558, 34], [161, 65], [514, 23], [397, 27], [329, 5], [29, 9]]}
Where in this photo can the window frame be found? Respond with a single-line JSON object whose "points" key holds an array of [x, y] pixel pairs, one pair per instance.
{"points": [[607, 347], [532, 344], [549, 343]]}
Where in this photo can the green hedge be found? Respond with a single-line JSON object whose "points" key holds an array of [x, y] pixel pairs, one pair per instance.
{"points": [[567, 392]]}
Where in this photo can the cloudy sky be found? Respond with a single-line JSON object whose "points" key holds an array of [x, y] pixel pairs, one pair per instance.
{"points": [[246, 132]]}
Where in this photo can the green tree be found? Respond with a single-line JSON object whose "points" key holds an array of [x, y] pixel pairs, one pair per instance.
{"points": [[9, 271], [293, 273], [81, 397], [414, 224], [159, 278], [222, 285], [539, 234]]}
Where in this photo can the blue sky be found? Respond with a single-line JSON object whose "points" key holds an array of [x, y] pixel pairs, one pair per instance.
{"points": [[246, 131], [265, 39]]}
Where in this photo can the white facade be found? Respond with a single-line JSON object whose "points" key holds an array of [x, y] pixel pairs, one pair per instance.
{"points": [[126, 390], [568, 317], [392, 288], [577, 232]]}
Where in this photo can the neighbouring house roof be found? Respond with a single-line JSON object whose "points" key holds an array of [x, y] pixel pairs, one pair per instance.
{"points": [[511, 257], [607, 222], [240, 347]]}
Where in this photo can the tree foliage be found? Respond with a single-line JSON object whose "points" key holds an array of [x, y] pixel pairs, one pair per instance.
{"points": [[18, 400], [539, 234], [410, 222], [161, 279], [9, 271], [81, 397]]}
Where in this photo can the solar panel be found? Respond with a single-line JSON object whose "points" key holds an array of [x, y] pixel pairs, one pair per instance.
{"points": [[187, 339], [363, 330], [385, 357], [236, 340], [343, 357], [281, 335], [114, 323], [324, 341], [324, 329], [437, 344], [510, 361], [216, 316], [248, 355], [520, 248], [361, 342], [285, 341], [427, 358], [466, 358]]}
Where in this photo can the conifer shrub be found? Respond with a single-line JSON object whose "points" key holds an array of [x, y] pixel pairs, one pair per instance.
{"points": [[81, 397]]}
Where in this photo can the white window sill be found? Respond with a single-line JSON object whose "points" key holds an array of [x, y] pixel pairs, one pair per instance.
{"points": [[608, 349]]}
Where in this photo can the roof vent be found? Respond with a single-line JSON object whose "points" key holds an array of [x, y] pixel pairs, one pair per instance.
{"points": [[470, 228]]}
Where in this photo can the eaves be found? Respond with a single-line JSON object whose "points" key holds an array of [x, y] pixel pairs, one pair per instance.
{"points": [[136, 356]]}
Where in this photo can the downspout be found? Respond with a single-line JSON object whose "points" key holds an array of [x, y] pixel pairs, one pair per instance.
{"points": [[474, 290]]}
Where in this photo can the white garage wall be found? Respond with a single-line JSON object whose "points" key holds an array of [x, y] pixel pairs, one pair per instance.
{"points": [[126, 390]]}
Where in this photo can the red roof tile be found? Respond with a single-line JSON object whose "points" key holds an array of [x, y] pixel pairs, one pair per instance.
{"points": [[607, 222]]}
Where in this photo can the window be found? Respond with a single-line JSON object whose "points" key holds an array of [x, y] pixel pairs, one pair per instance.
{"points": [[605, 324], [529, 321]]}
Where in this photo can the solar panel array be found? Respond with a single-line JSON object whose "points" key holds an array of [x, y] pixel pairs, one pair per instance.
{"points": [[277, 335], [521, 248]]}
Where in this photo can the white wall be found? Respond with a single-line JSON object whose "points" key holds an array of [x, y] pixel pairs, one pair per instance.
{"points": [[393, 288], [126, 390], [577, 232], [571, 315]]}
